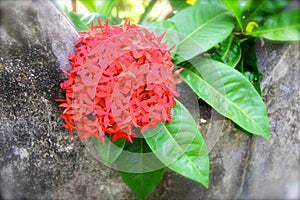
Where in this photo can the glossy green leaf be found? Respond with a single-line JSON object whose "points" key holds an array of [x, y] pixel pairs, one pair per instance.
{"points": [[200, 27], [248, 64], [228, 52], [281, 27], [180, 145], [90, 5], [258, 10], [109, 151], [229, 93], [78, 23], [235, 9], [142, 184]]}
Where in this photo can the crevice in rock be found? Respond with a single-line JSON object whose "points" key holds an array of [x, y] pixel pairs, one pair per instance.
{"points": [[243, 184]]}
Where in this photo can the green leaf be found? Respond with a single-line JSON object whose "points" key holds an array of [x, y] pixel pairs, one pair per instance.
{"points": [[248, 64], [79, 24], [180, 145], [235, 9], [281, 27], [257, 11], [229, 93], [109, 151], [90, 5], [228, 52], [200, 28], [142, 184]]}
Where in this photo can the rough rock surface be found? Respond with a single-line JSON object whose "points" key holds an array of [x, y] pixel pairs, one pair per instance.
{"points": [[39, 160]]}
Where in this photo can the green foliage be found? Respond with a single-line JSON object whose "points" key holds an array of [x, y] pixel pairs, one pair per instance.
{"points": [[258, 11], [228, 52], [235, 9], [178, 5], [180, 146], [207, 26], [106, 7], [97, 9], [92, 17], [91, 5], [281, 27], [248, 64], [217, 84], [80, 25], [144, 16], [142, 184]]}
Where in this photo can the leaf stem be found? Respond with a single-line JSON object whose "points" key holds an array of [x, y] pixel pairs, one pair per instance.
{"points": [[238, 33]]}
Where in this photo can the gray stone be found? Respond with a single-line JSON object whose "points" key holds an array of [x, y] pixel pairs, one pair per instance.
{"points": [[39, 160], [273, 169]]}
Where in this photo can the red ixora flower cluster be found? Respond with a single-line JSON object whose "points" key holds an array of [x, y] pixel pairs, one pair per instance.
{"points": [[122, 77]]}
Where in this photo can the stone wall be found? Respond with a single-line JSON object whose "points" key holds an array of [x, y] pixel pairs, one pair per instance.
{"points": [[39, 160]]}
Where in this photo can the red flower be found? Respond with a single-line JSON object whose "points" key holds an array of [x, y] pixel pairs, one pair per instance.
{"points": [[121, 77]]}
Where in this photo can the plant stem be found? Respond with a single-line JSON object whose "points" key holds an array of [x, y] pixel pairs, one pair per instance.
{"points": [[74, 6]]}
